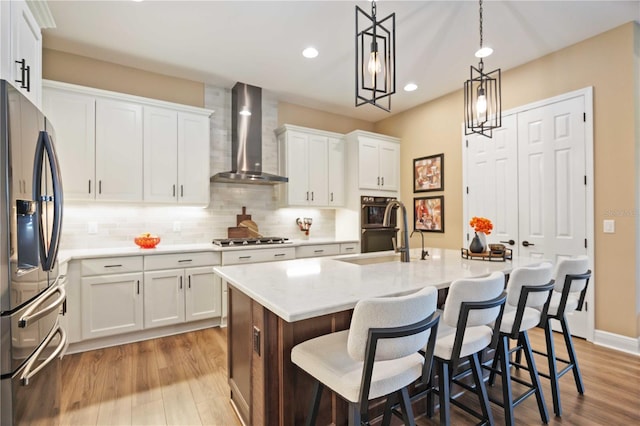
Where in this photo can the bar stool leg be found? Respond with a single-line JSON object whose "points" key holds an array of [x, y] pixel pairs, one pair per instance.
{"points": [[572, 355], [507, 397], [553, 369], [405, 406], [444, 393], [315, 404], [533, 373], [481, 390]]}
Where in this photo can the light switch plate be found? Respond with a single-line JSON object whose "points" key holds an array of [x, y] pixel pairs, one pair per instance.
{"points": [[609, 226]]}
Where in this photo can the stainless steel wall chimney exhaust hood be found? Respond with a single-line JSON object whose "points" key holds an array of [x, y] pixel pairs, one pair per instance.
{"points": [[246, 139]]}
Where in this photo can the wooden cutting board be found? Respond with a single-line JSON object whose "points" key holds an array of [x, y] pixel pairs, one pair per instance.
{"points": [[252, 228], [243, 216], [237, 232]]}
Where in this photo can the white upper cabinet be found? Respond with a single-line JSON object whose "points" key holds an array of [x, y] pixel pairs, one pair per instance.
{"points": [[193, 158], [73, 117], [378, 160], [25, 62], [336, 172], [117, 147], [176, 157], [308, 157], [118, 150]]}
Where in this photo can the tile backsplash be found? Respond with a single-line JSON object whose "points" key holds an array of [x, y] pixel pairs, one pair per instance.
{"points": [[97, 225]]}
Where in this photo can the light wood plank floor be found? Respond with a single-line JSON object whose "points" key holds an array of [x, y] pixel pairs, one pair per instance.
{"points": [[181, 380]]}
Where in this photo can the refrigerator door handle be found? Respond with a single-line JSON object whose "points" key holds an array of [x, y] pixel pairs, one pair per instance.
{"points": [[29, 371], [44, 144], [29, 316]]}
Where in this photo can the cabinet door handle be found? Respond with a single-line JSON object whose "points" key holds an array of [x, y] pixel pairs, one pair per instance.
{"points": [[378, 180], [180, 283], [185, 260], [332, 196], [112, 266], [189, 280], [28, 78], [382, 180], [182, 191], [100, 187], [24, 84], [348, 248], [174, 190], [307, 195], [279, 254], [89, 186], [138, 286], [318, 251], [311, 195], [244, 257]]}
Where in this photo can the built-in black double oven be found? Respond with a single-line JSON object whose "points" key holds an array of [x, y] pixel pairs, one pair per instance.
{"points": [[375, 235]]}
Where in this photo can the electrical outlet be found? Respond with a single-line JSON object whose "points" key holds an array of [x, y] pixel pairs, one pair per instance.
{"points": [[177, 226], [609, 226], [93, 227]]}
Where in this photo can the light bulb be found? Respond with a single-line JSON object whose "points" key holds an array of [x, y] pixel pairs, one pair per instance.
{"points": [[375, 65], [481, 106]]}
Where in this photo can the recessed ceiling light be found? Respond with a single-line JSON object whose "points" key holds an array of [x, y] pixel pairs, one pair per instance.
{"points": [[410, 87], [484, 52], [310, 52]]}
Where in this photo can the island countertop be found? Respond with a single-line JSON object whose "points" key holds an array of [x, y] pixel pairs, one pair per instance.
{"points": [[301, 289]]}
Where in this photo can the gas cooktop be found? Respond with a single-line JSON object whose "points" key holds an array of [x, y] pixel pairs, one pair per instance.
{"points": [[231, 242]]}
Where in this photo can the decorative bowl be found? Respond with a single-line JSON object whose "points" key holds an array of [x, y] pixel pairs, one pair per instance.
{"points": [[497, 248], [147, 242]]}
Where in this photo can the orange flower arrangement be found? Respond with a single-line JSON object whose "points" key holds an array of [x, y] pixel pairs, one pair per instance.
{"points": [[481, 224]]}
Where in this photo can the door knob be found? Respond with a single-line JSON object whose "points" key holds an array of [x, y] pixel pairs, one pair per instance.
{"points": [[510, 242], [527, 244]]}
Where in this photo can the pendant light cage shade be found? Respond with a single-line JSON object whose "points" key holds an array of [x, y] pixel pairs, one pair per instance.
{"points": [[482, 102], [375, 59]]}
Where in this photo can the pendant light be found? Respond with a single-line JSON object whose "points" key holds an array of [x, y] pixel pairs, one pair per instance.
{"points": [[482, 97], [375, 58]]}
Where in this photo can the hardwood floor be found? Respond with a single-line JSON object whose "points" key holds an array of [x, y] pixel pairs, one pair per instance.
{"points": [[182, 380]]}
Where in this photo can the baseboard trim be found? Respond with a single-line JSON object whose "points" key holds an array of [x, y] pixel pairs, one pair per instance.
{"points": [[617, 342]]}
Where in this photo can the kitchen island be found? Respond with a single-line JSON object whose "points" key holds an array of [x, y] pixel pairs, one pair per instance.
{"points": [[274, 306]]}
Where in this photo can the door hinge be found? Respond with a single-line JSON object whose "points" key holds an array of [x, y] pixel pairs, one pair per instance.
{"points": [[467, 142], [467, 236], [585, 243], [584, 117], [585, 180], [467, 189]]}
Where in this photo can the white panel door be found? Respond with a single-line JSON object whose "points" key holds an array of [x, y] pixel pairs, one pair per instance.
{"points": [[336, 172], [163, 297], [193, 159], [73, 117], [160, 152], [118, 150], [202, 297], [552, 188], [297, 153], [388, 163], [368, 167], [318, 167], [492, 182]]}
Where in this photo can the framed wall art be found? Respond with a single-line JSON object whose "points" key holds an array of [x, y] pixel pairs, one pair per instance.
{"points": [[428, 214], [428, 173]]}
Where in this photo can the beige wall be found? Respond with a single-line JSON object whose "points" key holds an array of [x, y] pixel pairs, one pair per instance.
{"points": [[605, 62], [84, 71], [316, 119]]}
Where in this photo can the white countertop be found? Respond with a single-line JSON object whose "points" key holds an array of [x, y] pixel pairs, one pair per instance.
{"points": [[306, 288], [133, 250]]}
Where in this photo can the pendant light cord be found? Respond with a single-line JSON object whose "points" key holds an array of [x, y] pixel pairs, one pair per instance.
{"points": [[481, 64]]}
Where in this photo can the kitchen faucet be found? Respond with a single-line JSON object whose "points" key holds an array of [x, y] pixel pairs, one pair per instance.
{"points": [[424, 252], [403, 249]]}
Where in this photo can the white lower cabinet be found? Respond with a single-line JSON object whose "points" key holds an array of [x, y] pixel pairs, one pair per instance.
{"points": [[111, 304], [176, 295]]}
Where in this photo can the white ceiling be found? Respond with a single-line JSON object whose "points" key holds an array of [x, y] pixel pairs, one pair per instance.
{"points": [[260, 42]]}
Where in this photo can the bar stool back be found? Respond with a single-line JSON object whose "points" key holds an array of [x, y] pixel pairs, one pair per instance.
{"points": [[572, 278], [387, 333], [470, 323], [528, 288]]}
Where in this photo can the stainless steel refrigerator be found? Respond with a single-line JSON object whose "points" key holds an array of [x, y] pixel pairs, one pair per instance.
{"points": [[32, 296]]}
